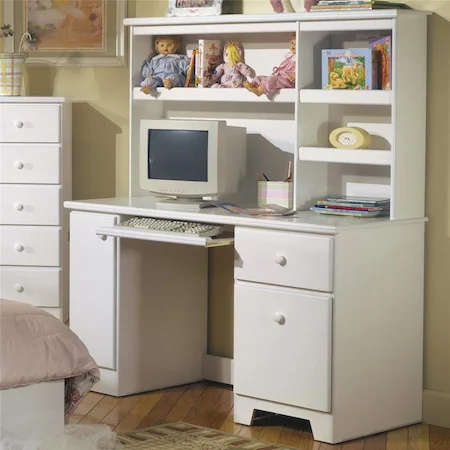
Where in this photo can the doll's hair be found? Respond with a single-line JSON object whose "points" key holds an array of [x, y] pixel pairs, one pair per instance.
{"points": [[175, 39], [235, 52]]}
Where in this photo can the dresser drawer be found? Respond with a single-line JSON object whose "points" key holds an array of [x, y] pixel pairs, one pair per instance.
{"points": [[30, 164], [33, 285], [284, 258], [30, 246], [282, 345], [30, 205], [30, 123]]}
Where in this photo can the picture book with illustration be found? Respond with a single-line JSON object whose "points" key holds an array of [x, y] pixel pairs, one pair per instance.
{"points": [[209, 57], [383, 46], [355, 69]]}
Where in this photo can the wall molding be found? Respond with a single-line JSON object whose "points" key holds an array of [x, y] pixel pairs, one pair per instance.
{"points": [[218, 369], [436, 408]]}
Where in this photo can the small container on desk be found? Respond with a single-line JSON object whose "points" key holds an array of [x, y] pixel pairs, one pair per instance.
{"points": [[275, 193]]}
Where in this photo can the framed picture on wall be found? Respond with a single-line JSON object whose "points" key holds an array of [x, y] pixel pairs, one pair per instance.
{"points": [[179, 8], [70, 32]]}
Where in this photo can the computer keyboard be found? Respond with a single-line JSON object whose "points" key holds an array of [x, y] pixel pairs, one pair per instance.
{"points": [[168, 226]]}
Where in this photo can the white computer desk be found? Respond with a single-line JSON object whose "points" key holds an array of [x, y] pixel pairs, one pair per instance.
{"points": [[328, 311]]}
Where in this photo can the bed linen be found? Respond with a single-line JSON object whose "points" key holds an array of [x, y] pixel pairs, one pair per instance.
{"points": [[36, 347]]}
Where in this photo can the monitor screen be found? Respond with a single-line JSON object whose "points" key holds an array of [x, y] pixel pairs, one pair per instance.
{"points": [[178, 155]]}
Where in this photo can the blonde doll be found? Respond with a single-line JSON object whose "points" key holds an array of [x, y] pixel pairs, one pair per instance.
{"points": [[233, 71]]}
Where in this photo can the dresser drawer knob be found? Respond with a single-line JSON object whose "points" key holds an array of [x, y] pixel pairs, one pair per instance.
{"points": [[18, 165], [18, 124], [19, 247], [279, 318], [19, 288], [18, 206], [280, 260]]}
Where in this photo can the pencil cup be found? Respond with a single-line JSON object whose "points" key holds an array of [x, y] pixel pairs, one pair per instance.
{"points": [[275, 193]]}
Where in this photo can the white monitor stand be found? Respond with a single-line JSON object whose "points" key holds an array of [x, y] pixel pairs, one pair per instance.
{"points": [[183, 204]]}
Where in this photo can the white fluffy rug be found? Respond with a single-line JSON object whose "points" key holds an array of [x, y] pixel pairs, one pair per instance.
{"points": [[75, 437]]}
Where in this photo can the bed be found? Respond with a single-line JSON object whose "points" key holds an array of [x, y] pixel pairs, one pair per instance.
{"points": [[45, 371]]}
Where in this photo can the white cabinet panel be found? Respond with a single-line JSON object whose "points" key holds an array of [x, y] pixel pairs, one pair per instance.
{"points": [[282, 350], [30, 246], [30, 123], [93, 286], [34, 285], [34, 164], [284, 258], [30, 205]]}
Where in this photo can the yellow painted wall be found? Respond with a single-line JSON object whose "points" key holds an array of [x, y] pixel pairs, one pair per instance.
{"points": [[100, 167]]}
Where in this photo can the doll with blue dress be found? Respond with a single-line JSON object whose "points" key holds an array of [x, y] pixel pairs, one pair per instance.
{"points": [[166, 69]]}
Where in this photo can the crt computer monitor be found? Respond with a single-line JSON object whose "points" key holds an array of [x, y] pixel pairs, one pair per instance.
{"points": [[191, 159]]}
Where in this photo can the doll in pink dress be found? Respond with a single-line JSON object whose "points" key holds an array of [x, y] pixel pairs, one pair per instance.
{"points": [[233, 71], [282, 76]]}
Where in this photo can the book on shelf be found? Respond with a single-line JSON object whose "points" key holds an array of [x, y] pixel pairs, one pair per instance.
{"points": [[208, 58], [355, 5], [353, 206]]}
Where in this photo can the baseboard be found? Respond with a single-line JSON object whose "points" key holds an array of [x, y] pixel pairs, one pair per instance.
{"points": [[218, 369], [436, 408]]}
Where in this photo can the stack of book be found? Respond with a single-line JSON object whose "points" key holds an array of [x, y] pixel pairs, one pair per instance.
{"points": [[354, 5], [353, 206]]}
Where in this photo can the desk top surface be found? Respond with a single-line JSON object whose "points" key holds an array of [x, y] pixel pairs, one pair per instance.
{"points": [[302, 221]]}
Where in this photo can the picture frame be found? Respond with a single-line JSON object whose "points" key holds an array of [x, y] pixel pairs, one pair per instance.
{"points": [[183, 8], [57, 23]]}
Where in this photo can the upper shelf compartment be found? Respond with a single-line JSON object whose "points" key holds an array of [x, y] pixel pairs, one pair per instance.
{"points": [[214, 95]]}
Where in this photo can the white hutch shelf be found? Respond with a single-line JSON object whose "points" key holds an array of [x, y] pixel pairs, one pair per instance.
{"points": [[296, 123]]}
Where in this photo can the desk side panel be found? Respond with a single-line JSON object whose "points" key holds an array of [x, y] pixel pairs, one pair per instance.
{"points": [[93, 283]]}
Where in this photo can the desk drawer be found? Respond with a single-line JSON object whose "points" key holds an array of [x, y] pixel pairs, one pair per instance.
{"points": [[282, 350], [284, 258], [30, 246], [33, 285], [30, 205], [36, 164], [30, 123]]}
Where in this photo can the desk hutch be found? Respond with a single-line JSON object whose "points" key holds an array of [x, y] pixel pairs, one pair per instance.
{"points": [[328, 311]]}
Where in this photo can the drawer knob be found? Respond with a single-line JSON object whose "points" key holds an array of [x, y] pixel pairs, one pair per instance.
{"points": [[279, 318], [18, 206], [19, 247], [18, 124], [18, 288], [280, 260], [18, 165]]}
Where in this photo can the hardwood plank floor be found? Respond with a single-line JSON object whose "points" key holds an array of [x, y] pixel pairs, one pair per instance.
{"points": [[211, 405]]}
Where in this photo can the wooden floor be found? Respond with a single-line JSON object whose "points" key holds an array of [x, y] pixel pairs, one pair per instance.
{"points": [[211, 405]]}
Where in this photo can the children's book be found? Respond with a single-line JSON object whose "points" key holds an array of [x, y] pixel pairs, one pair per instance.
{"points": [[190, 77], [209, 57], [383, 46], [355, 69]]}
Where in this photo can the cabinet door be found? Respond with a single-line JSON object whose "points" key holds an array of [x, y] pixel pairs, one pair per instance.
{"points": [[93, 286], [282, 345]]}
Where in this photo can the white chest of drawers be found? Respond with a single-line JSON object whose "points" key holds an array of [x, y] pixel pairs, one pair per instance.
{"points": [[35, 180]]}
